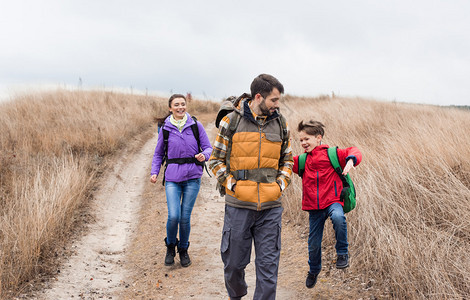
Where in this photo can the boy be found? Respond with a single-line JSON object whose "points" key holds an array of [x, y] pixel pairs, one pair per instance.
{"points": [[321, 189]]}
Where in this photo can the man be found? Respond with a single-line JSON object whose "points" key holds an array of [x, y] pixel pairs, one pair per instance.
{"points": [[252, 160]]}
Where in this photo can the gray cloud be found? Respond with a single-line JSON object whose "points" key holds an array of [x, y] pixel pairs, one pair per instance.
{"points": [[397, 50]]}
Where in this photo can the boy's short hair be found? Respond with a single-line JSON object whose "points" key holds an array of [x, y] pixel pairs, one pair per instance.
{"points": [[264, 85], [311, 127]]}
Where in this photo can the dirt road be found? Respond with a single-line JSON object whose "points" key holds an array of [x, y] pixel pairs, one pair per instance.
{"points": [[95, 270]]}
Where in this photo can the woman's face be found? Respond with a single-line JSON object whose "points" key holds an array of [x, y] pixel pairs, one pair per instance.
{"points": [[178, 108]]}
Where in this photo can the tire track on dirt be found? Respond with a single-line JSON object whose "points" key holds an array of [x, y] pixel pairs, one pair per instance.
{"points": [[95, 270]]}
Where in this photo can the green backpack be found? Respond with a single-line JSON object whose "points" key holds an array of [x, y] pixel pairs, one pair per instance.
{"points": [[348, 194]]}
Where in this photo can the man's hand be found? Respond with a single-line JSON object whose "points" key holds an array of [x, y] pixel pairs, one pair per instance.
{"points": [[153, 178], [234, 184]]}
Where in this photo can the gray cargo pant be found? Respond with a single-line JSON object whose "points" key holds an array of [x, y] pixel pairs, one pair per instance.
{"points": [[241, 226]]}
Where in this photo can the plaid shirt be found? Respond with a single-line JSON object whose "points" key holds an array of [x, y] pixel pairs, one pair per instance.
{"points": [[217, 159]]}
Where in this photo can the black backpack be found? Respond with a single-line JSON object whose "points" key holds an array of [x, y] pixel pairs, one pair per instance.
{"points": [[227, 107], [182, 160]]}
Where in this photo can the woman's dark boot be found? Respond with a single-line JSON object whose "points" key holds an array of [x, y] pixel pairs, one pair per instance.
{"points": [[170, 253], [184, 256]]}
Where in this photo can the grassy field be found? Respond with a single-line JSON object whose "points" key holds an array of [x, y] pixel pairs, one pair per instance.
{"points": [[410, 232], [53, 147]]}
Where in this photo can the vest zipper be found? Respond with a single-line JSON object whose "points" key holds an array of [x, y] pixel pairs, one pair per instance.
{"points": [[259, 161]]}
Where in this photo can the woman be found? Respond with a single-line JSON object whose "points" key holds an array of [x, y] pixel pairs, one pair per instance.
{"points": [[182, 176]]}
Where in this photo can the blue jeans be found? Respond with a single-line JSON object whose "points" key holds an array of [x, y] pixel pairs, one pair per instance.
{"points": [[180, 199], [317, 220]]}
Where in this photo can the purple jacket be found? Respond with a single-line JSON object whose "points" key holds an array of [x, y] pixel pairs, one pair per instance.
{"points": [[181, 144]]}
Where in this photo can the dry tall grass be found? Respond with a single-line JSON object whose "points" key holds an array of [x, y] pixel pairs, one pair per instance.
{"points": [[52, 147], [411, 228]]}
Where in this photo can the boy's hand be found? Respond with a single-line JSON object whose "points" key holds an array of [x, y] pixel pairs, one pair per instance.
{"points": [[153, 178], [348, 167]]}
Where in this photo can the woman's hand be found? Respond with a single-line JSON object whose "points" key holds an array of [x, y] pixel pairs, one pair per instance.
{"points": [[200, 157], [348, 167], [153, 178]]}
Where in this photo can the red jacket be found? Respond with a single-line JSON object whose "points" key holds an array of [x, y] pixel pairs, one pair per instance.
{"points": [[321, 186]]}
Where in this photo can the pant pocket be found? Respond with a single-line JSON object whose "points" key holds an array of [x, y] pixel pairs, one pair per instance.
{"points": [[225, 240]]}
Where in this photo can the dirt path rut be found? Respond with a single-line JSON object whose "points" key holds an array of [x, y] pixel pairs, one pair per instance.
{"points": [[95, 270]]}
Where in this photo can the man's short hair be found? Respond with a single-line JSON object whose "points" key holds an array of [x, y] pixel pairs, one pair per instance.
{"points": [[264, 85]]}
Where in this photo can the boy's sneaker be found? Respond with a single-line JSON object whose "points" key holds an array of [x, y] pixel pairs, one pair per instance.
{"points": [[342, 261], [311, 280]]}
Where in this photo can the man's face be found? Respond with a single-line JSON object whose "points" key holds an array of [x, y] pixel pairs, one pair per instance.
{"points": [[270, 104]]}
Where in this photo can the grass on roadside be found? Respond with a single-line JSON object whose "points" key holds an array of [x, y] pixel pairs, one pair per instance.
{"points": [[411, 229], [53, 145]]}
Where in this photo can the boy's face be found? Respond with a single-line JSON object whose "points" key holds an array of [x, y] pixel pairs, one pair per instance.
{"points": [[309, 142]]}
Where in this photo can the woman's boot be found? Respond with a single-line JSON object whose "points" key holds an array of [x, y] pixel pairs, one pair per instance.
{"points": [[184, 256], [170, 253]]}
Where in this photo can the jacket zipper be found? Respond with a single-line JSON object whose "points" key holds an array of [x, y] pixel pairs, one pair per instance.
{"points": [[318, 190]]}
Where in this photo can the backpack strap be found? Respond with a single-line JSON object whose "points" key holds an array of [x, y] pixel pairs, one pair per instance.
{"points": [[302, 160], [232, 127], [184, 160], [195, 130], [234, 118], [348, 193], [166, 135], [284, 133], [283, 124], [333, 157]]}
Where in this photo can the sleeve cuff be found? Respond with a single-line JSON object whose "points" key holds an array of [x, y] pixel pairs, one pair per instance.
{"points": [[353, 158], [231, 182], [280, 184]]}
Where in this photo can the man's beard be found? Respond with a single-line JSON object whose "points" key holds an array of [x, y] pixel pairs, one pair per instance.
{"points": [[264, 109]]}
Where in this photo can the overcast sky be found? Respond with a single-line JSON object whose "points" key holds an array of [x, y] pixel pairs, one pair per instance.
{"points": [[408, 51]]}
